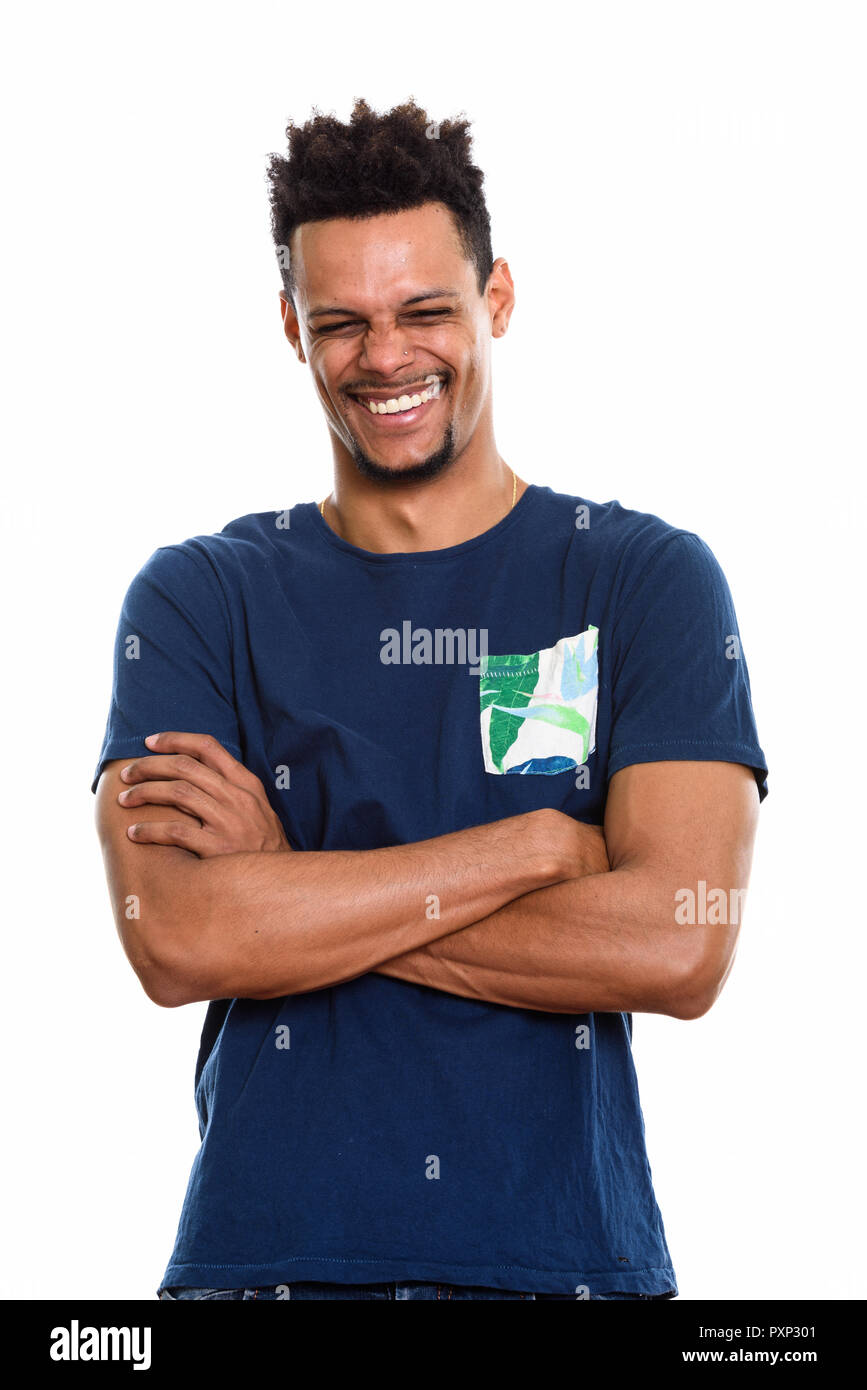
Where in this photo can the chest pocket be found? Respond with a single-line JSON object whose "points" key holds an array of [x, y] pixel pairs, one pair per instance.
{"points": [[538, 712]]}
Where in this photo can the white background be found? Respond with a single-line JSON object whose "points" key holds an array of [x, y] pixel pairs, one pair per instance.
{"points": [[679, 190]]}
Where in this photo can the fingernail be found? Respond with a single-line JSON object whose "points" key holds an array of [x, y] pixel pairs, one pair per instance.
{"points": [[151, 740]]}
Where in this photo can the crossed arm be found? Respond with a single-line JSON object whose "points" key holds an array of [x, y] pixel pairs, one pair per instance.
{"points": [[535, 911]]}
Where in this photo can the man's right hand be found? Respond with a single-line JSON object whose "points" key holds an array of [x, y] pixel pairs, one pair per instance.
{"points": [[577, 849]]}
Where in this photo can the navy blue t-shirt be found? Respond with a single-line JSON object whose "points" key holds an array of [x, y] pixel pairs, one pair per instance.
{"points": [[384, 1131]]}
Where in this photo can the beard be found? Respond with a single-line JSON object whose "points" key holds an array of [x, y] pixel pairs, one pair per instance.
{"points": [[418, 472]]}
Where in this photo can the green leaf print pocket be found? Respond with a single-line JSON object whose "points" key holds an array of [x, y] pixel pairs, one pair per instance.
{"points": [[538, 712]]}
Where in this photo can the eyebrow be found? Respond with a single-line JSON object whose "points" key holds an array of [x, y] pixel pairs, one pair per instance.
{"points": [[416, 299]]}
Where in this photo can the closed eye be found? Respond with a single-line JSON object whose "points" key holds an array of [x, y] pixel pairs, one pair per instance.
{"points": [[328, 328]]}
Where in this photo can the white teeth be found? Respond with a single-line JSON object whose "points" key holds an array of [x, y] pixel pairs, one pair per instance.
{"points": [[398, 404]]}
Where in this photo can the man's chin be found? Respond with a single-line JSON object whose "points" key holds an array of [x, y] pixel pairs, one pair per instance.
{"points": [[396, 474]]}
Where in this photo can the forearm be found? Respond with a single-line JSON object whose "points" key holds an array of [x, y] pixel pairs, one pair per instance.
{"points": [[260, 925], [602, 943]]}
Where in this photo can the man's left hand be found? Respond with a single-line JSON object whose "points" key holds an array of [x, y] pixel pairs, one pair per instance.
{"points": [[195, 773]]}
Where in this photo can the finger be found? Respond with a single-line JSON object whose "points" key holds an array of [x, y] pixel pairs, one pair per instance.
{"points": [[181, 767], [177, 792], [207, 750], [184, 834]]}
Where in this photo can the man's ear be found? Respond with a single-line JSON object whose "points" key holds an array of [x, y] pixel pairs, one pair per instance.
{"points": [[291, 326], [500, 296]]}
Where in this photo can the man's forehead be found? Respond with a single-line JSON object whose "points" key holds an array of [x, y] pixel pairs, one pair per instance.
{"points": [[391, 256]]}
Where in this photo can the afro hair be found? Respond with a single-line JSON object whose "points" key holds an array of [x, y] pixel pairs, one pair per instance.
{"points": [[378, 163]]}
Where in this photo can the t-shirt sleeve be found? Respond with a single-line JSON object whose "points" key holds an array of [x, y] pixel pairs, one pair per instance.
{"points": [[680, 688], [172, 658]]}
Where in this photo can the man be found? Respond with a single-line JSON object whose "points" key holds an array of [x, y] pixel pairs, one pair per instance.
{"points": [[453, 773]]}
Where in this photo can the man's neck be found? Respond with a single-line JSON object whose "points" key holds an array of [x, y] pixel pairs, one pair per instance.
{"points": [[462, 502]]}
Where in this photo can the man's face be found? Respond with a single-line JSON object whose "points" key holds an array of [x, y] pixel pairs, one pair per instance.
{"points": [[390, 318]]}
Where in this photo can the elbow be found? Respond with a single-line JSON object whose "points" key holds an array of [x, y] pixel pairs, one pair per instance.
{"points": [[698, 986], [689, 1004], [163, 982], [178, 978], [166, 989], [171, 958], [165, 926], [164, 969]]}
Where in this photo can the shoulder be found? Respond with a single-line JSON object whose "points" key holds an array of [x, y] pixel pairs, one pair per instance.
{"points": [[221, 557], [626, 539]]}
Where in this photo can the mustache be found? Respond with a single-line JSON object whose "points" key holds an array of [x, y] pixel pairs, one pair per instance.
{"points": [[396, 386]]}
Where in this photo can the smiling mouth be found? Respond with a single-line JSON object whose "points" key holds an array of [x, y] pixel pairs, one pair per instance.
{"points": [[408, 404]]}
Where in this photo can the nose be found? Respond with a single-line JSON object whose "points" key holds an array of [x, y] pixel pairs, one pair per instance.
{"points": [[385, 352]]}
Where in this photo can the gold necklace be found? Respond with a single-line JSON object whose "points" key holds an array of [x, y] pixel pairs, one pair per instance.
{"points": [[514, 495]]}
